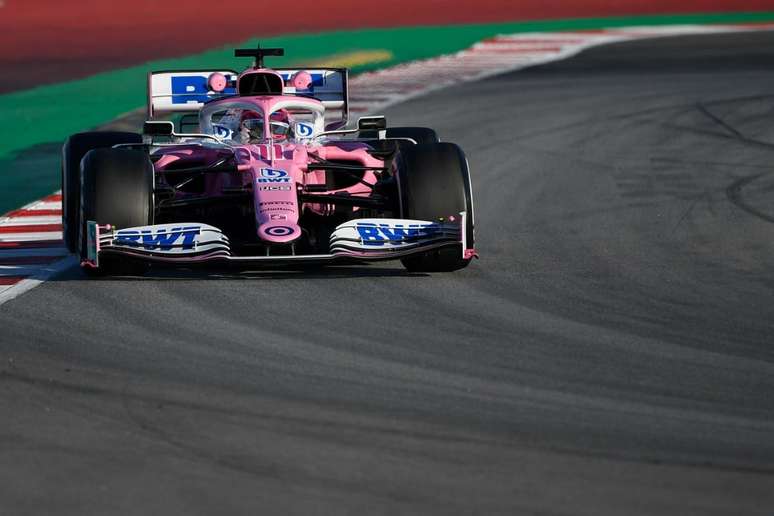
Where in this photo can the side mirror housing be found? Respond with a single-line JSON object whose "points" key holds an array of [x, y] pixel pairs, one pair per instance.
{"points": [[372, 123], [158, 128]]}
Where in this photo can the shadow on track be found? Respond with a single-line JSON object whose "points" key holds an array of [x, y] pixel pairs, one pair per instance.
{"points": [[170, 273]]}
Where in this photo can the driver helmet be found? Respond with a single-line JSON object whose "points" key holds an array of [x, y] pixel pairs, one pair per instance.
{"points": [[280, 125], [251, 126]]}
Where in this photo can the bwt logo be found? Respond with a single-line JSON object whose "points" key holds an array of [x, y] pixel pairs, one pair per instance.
{"points": [[221, 131], [193, 88], [273, 175], [161, 239], [304, 130], [373, 234]]}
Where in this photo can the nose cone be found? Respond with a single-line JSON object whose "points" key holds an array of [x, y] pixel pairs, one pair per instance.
{"points": [[279, 231]]}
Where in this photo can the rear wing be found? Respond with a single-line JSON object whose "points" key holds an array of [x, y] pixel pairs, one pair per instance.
{"points": [[186, 91], [330, 86]]}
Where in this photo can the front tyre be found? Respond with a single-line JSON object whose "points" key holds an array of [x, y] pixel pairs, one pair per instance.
{"points": [[73, 151], [434, 184], [116, 189]]}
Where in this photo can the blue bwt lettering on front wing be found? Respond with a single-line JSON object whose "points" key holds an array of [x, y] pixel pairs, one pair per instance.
{"points": [[183, 238], [380, 234]]}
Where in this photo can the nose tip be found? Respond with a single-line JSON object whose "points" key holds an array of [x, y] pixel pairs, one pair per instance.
{"points": [[280, 231]]}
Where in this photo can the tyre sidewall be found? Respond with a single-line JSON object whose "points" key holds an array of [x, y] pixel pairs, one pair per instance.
{"points": [[116, 189], [434, 184], [73, 151]]}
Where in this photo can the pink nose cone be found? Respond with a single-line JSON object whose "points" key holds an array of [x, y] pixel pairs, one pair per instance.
{"points": [[301, 80], [279, 231], [217, 82]]}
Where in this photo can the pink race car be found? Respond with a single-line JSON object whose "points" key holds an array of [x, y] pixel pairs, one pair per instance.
{"points": [[258, 168]]}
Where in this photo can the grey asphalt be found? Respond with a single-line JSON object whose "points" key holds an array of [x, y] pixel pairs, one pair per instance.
{"points": [[612, 352]]}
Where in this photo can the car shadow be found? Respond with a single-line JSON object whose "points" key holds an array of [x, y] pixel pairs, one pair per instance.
{"points": [[169, 273]]}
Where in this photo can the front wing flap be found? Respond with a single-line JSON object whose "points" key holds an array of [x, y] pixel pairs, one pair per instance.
{"points": [[392, 238]]}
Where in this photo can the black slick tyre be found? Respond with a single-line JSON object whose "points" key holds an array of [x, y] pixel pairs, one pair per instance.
{"points": [[434, 184], [117, 189], [73, 151]]}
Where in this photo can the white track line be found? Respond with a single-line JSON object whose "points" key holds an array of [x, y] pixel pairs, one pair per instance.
{"points": [[31, 220], [31, 237], [45, 205], [38, 276], [33, 275]]}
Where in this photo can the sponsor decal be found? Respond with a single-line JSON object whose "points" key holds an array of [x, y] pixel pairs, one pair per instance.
{"points": [[273, 179], [273, 175], [221, 131], [275, 188], [273, 172], [161, 239], [304, 130], [279, 231], [380, 234], [382, 237], [194, 88], [285, 203]]}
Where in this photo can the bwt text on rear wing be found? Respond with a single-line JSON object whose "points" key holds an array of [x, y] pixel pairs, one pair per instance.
{"points": [[186, 91]]}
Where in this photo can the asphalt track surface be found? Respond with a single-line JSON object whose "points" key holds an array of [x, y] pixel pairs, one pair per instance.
{"points": [[611, 352]]}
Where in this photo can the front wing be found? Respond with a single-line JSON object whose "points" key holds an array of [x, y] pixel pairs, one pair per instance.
{"points": [[191, 243]]}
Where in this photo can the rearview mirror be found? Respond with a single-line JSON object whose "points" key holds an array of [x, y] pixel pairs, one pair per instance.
{"points": [[372, 123], [158, 128]]}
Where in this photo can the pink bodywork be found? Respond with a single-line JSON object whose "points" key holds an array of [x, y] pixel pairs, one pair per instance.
{"points": [[277, 172]]}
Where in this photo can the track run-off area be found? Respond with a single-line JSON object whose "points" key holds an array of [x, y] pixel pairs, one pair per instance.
{"points": [[610, 353]]}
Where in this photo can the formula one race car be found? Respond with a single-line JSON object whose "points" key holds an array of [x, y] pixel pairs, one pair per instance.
{"points": [[258, 168]]}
